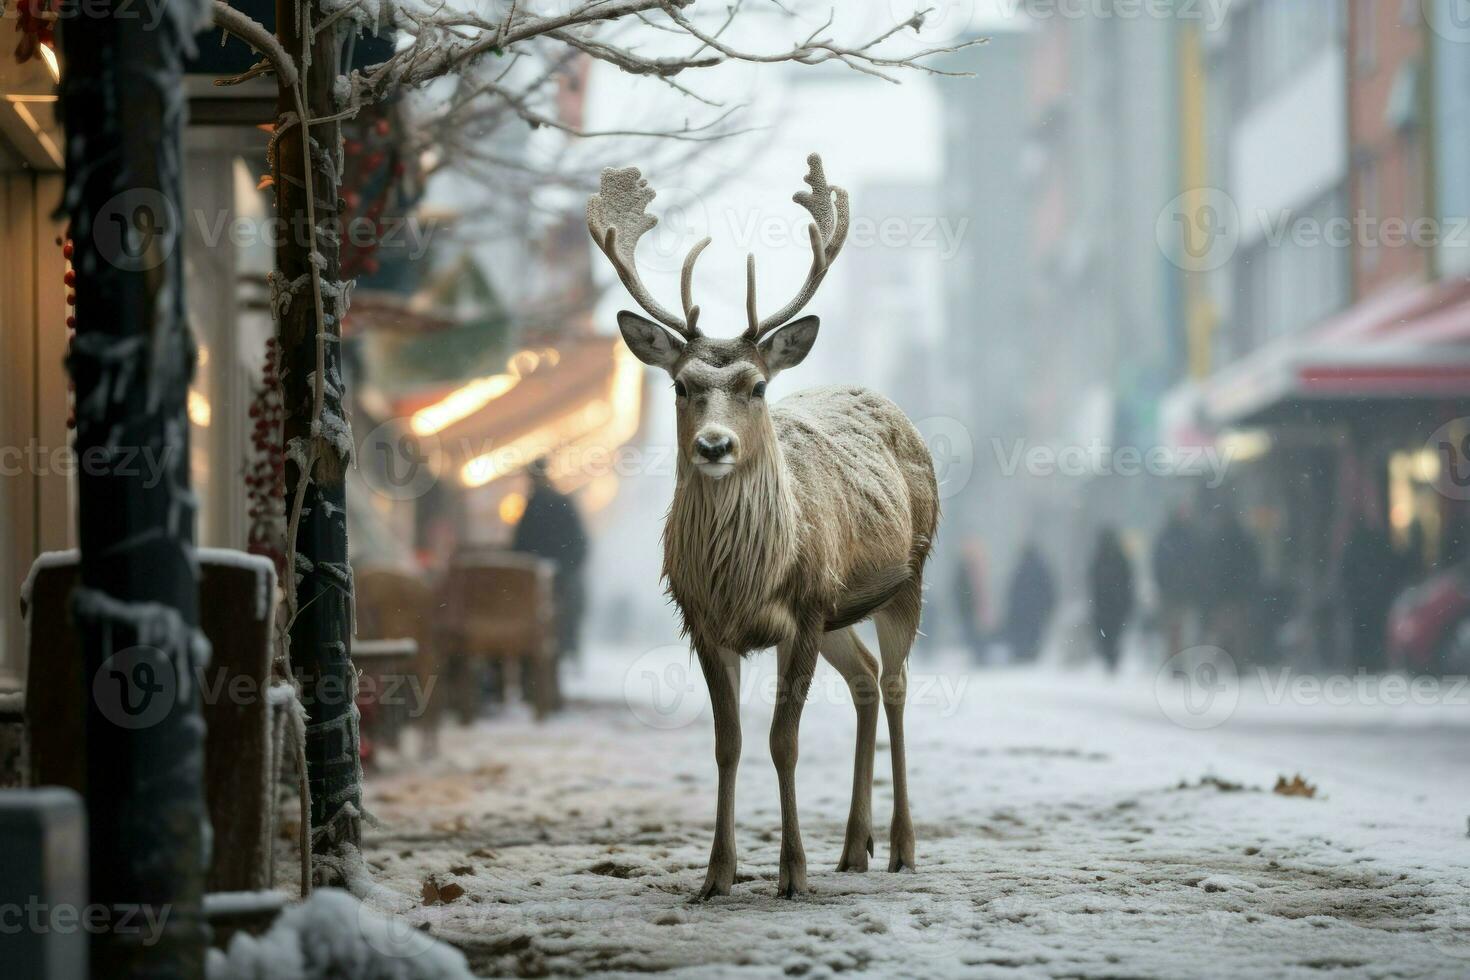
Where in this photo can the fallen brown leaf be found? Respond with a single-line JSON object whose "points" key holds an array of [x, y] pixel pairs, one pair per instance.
{"points": [[441, 894], [1296, 787]]}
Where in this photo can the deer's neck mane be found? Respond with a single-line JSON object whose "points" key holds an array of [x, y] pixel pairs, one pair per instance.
{"points": [[730, 544]]}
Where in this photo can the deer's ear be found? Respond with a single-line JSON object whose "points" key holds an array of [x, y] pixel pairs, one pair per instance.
{"points": [[649, 342], [790, 345]]}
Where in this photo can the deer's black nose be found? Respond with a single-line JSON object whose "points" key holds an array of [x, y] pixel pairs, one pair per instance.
{"points": [[713, 448]]}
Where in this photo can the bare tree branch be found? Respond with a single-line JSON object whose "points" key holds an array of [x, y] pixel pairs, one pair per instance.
{"points": [[253, 33]]}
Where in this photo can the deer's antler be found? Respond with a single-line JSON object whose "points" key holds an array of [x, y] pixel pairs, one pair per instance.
{"points": [[617, 218], [828, 230]]}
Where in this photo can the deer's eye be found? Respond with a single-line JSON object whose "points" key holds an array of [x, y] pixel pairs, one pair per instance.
{"points": [[759, 391], [680, 391]]}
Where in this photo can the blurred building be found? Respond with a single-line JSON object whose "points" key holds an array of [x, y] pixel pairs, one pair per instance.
{"points": [[518, 374], [988, 338], [35, 488], [1327, 315], [904, 351], [1101, 300]]}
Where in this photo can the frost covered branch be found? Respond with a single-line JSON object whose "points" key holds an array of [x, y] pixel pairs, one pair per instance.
{"points": [[253, 33], [437, 42]]}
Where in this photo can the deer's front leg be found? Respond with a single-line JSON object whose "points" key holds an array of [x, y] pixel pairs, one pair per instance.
{"points": [[795, 663], [722, 677]]}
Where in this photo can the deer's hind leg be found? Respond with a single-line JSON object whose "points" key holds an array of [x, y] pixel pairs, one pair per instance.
{"points": [[898, 623], [845, 651]]}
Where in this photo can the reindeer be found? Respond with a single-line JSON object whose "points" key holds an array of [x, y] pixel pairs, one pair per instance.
{"points": [[790, 522]]}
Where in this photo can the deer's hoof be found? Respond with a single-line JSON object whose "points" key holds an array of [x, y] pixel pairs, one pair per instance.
{"points": [[855, 856], [792, 881], [791, 889], [716, 882], [901, 848], [709, 891]]}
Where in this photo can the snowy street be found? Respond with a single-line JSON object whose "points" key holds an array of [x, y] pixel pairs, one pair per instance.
{"points": [[1066, 828]]}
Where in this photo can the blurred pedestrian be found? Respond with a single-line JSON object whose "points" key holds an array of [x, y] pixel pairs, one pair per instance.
{"points": [[1110, 588], [1231, 584], [1176, 570], [1029, 604], [969, 586], [1370, 574], [551, 528]]}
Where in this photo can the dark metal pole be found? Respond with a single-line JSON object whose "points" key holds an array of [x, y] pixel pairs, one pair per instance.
{"points": [[137, 603], [321, 632]]}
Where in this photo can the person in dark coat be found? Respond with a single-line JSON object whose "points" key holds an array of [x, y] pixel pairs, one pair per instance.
{"points": [[1371, 579], [1176, 569], [1110, 585], [1029, 604], [1231, 587], [551, 528], [969, 597]]}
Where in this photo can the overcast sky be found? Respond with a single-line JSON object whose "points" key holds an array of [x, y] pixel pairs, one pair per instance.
{"points": [[867, 130]]}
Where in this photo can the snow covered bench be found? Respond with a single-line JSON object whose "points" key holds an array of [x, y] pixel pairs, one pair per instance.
{"points": [[242, 714]]}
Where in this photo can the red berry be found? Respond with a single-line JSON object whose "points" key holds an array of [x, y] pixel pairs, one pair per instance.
{"points": [[381, 127], [70, 278]]}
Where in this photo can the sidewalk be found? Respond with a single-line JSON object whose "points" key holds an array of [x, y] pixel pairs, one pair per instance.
{"points": [[1066, 828]]}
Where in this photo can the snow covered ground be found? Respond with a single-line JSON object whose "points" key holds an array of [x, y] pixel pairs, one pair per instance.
{"points": [[1069, 825]]}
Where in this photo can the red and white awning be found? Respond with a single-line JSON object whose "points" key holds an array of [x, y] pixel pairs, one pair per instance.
{"points": [[1407, 344]]}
